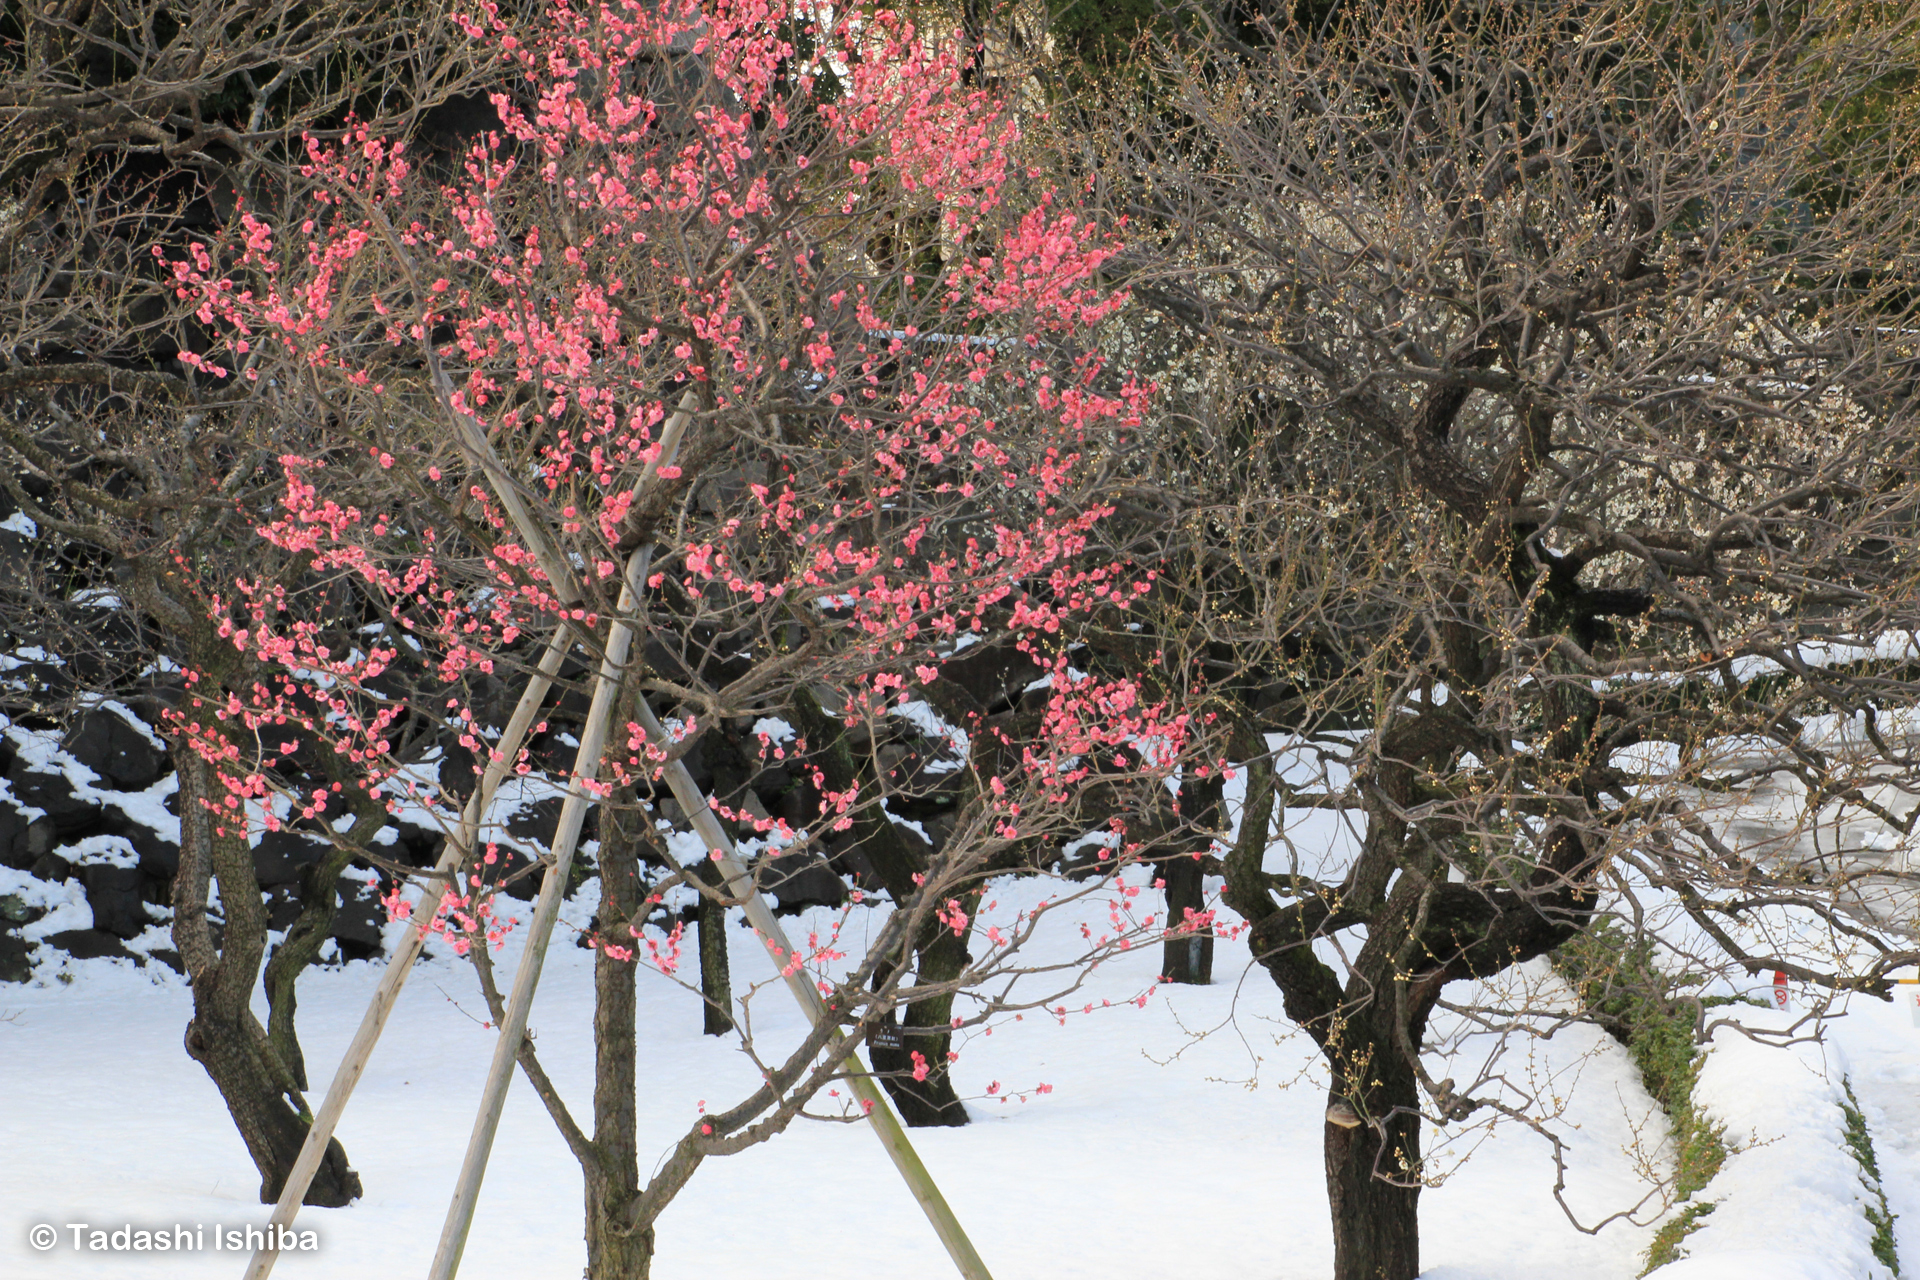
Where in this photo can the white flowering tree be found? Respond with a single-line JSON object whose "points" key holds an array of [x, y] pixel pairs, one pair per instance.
{"points": [[1543, 491]]}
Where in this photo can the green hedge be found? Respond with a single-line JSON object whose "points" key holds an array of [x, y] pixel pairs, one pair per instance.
{"points": [[1642, 1007]]}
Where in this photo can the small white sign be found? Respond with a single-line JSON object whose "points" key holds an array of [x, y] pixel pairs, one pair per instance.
{"points": [[1910, 997], [1779, 989]]}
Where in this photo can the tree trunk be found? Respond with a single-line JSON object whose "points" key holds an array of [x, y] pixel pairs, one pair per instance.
{"points": [[615, 1252], [1376, 1222], [320, 892], [939, 954], [716, 981], [235, 1057], [1188, 959], [926, 1029], [224, 1036]]}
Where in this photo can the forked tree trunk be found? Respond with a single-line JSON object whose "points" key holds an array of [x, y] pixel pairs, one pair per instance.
{"points": [[320, 891], [1373, 1186], [224, 1036], [234, 1056]]}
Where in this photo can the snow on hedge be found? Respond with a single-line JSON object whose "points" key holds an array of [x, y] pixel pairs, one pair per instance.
{"points": [[1790, 1201]]}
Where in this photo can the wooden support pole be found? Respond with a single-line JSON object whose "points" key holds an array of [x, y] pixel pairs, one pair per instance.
{"points": [[472, 436], [400, 965], [886, 1125]]}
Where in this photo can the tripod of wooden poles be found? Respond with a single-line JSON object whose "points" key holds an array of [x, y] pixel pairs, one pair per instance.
{"points": [[739, 883]]}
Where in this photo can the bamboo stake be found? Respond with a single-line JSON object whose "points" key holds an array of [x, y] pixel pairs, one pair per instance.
{"points": [[458, 849], [893, 1138], [473, 438], [466, 1193], [373, 1022], [946, 1224]]}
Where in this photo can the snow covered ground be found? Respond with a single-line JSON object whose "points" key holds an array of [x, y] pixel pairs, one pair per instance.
{"points": [[1160, 1152], [1788, 1200]]}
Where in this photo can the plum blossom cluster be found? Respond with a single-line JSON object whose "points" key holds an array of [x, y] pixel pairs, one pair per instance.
{"points": [[674, 239], [459, 918]]}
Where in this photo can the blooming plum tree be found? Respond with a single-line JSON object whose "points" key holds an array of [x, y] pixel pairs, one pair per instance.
{"points": [[751, 344]]}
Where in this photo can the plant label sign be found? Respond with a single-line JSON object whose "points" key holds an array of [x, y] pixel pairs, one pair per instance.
{"points": [[1909, 989]]}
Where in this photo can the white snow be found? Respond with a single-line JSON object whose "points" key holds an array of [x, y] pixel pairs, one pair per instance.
{"points": [[65, 904], [1181, 1139], [1155, 1143], [101, 851], [40, 751], [1789, 1182], [774, 730], [921, 715]]}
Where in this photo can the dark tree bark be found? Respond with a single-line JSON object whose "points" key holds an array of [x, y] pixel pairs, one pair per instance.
{"points": [[224, 1037], [612, 1174], [1190, 959], [716, 980], [320, 892], [733, 773], [1421, 933], [926, 1029], [1375, 1203], [939, 954], [1372, 1150]]}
